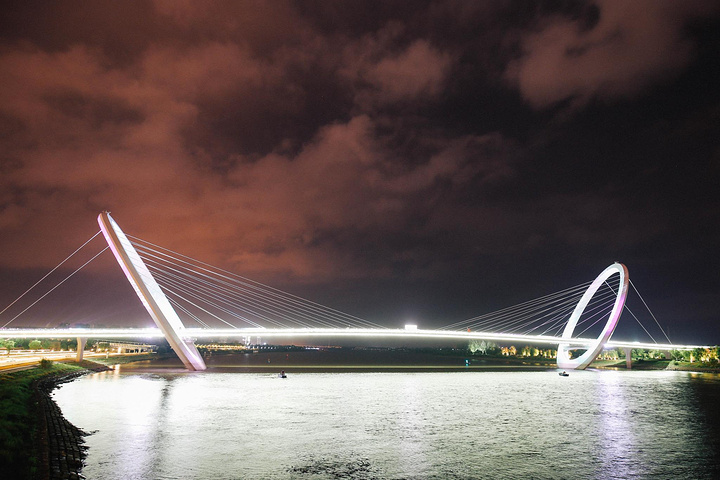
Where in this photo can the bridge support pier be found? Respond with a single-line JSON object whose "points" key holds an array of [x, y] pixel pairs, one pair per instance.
{"points": [[80, 349], [628, 358]]}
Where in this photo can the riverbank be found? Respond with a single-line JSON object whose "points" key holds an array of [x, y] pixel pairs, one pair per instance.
{"points": [[642, 364], [134, 358], [353, 360], [36, 441], [378, 360], [25, 405], [60, 443], [391, 360]]}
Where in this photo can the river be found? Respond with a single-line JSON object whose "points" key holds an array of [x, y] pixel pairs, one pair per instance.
{"points": [[169, 424]]}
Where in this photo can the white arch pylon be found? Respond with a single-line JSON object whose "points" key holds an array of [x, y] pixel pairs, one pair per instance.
{"points": [[563, 352], [150, 293]]}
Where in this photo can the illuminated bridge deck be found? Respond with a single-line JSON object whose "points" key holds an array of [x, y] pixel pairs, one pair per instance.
{"points": [[286, 333]]}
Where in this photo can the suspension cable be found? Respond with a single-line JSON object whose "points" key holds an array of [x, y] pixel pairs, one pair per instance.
{"points": [[50, 272], [507, 310], [266, 299], [637, 320], [651, 313], [509, 316], [56, 286], [188, 313], [268, 290]]}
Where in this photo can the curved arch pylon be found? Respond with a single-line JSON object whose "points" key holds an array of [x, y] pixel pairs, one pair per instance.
{"points": [[152, 297], [563, 352]]}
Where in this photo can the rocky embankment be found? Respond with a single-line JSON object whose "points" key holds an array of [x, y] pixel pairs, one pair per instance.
{"points": [[61, 444]]}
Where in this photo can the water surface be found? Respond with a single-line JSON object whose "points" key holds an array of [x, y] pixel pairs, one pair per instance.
{"points": [[464, 425]]}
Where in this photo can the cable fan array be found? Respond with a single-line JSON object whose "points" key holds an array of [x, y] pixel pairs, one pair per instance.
{"points": [[547, 315], [204, 293]]}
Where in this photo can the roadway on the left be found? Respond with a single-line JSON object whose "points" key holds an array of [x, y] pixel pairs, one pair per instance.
{"points": [[21, 360]]}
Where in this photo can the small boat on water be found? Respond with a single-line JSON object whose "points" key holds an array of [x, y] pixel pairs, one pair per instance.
{"points": [[563, 374], [282, 374]]}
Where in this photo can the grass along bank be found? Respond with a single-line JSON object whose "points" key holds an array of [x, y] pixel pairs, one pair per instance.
{"points": [[20, 420]]}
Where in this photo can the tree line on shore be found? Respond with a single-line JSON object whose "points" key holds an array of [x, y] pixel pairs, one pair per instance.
{"points": [[35, 344], [485, 347], [709, 356]]}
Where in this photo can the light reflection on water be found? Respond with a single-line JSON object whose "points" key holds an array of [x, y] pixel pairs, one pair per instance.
{"points": [[615, 429], [595, 424]]}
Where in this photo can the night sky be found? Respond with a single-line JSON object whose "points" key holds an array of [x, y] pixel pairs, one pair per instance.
{"points": [[400, 161]]}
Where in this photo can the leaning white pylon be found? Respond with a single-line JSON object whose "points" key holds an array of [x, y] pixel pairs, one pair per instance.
{"points": [[580, 363], [150, 293]]}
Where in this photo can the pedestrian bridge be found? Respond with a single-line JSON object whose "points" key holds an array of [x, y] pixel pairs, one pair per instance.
{"points": [[389, 333], [170, 284]]}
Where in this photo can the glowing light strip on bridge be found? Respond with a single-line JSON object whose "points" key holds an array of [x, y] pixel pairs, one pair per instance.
{"points": [[197, 333]]}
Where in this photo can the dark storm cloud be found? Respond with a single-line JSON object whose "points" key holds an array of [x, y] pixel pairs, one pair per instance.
{"points": [[630, 46], [454, 145]]}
